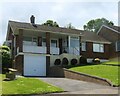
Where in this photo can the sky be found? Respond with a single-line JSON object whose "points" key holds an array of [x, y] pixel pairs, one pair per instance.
{"points": [[76, 12]]}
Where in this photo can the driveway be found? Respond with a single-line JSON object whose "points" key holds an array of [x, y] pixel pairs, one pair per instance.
{"points": [[80, 87]]}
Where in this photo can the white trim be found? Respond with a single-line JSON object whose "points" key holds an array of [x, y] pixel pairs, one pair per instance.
{"points": [[52, 32], [108, 28], [98, 49], [96, 41]]}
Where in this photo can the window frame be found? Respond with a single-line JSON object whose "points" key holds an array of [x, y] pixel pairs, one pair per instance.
{"points": [[100, 45], [117, 47], [83, 48], [32, 41]]}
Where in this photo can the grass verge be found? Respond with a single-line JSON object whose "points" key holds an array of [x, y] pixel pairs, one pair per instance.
{"points": [[23, 85]]}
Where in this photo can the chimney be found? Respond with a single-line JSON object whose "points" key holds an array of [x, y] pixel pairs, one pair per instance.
{"points": [[32, 19]]}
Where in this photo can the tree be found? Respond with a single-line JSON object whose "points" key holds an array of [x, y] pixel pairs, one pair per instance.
{"points": [[70, 26], [51, 23], [6, 58], [95, 24]]}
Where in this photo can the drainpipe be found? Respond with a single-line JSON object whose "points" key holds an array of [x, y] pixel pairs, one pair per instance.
{"points": [[80, 44]]}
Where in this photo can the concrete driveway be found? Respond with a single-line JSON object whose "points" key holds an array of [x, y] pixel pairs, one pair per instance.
{"points": [[80, 87]]}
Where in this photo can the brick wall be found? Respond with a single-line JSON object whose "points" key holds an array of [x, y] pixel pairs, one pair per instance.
{"points": [[90, 54], [57, 71]]}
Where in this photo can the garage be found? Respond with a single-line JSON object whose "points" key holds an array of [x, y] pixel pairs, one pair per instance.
{"points": [[34, 65]]}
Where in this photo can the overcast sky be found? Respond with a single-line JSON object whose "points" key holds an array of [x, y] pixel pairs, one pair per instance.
{"points": [[63, 12]]}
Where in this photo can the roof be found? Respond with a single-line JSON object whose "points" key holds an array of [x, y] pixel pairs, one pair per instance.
{"points": [[86, 36], [91, 36], [22, 25], [113, 28]]}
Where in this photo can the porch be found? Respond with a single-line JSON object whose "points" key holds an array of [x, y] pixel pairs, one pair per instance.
{"points": [[49, 43]]}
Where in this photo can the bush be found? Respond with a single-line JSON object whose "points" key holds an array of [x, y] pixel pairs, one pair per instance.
{"points": [[6, 59], [64, 61], [96, 60], [83, 60], [57, 62], [73, 61], [5, 48]]}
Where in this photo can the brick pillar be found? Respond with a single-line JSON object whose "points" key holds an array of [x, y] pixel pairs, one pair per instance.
{"points": [[20, 40], [16, 43], [60, 46], [12, 47], [48, 43], [48, 52]]}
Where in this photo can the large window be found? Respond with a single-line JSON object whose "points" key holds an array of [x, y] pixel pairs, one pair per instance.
{"points": [[98, 47], [118, 46], [83, 46], [30, 41], [53, 43]]}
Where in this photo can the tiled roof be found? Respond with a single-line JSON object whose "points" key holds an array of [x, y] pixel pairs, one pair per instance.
{"points": [[91, 36], [19, 25], [86, 36]]}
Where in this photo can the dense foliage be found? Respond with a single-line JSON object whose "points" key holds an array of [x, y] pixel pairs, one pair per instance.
{"points": [[51, 23], [6, 58], [95, 24]]}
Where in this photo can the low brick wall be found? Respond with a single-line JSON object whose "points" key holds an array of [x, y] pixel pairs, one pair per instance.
{"points": [[63, 72], [84, 77]]}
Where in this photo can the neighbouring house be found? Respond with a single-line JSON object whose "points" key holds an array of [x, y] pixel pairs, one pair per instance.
{"points": [[35, 47], [112, 34]]}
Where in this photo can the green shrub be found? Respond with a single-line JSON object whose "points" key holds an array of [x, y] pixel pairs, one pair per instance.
{"points": [[5, 48], [64, 61], [6, 59], [73, 61], [83, 60], [57, 62]]}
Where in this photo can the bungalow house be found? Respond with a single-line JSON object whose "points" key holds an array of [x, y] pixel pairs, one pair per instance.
{"points": [[112, 34], [35, 47]]}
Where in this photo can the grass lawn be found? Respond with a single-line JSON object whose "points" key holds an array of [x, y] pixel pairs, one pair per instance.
{"points": [[25, 85], [112, 62], [104, 71]]}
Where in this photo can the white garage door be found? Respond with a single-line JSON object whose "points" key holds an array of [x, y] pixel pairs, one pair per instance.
{"points": [[34, 65]]}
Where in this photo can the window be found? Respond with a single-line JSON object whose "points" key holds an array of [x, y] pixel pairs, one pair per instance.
{"points": [[30, 41], [43, 42], [117, 46], [83, 46], [98, 47], [53, 43], [34, 41]]}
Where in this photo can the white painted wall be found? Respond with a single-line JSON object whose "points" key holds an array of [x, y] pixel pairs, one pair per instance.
{"points": [[54, 50], [68, 56], [34, 49]]}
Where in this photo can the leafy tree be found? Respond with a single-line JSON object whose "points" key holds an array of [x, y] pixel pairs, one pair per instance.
{"points": [[6, 58], [51, 23], [70, 26], [95, 24]]}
